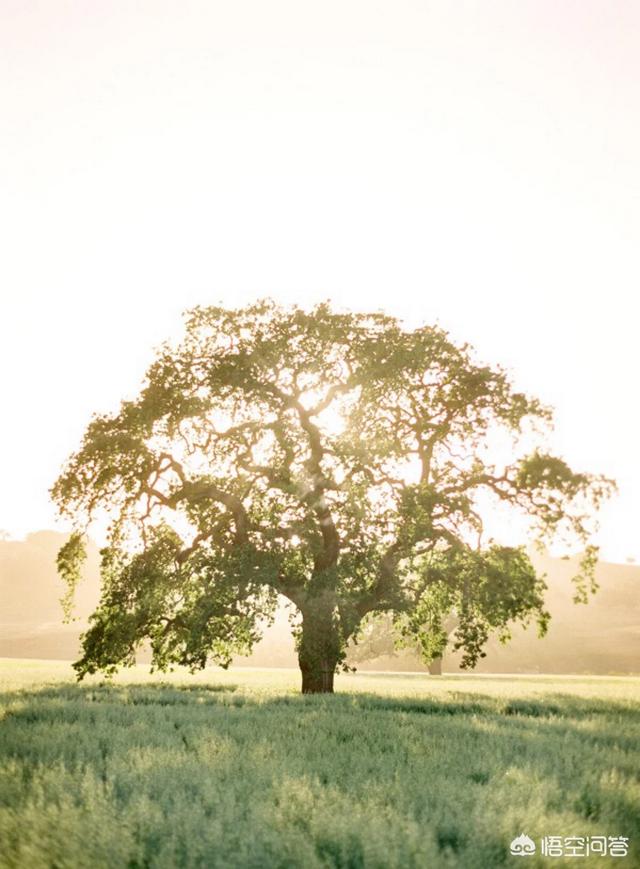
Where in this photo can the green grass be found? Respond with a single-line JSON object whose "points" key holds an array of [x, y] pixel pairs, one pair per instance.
{"points": [[236, 769]]}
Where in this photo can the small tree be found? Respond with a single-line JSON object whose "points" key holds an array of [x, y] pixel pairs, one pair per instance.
{"points": [[337, 460], [383, 636]]}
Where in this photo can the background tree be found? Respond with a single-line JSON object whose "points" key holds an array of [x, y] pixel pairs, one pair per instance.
{"points": [[382, 636], [338, 460]]}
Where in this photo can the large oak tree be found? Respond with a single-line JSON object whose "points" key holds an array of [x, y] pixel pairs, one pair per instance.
{"points": [[337, 460]]}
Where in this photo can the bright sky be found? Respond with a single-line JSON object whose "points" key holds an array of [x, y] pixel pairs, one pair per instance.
{"points": [[475, 164]]}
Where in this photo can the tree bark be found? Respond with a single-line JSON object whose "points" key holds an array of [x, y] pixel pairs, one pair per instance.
{"points": [[435, 667], [320, 648]]}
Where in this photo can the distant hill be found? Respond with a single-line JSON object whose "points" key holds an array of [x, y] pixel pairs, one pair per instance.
{"points": [[602, 637], [31, 619]]}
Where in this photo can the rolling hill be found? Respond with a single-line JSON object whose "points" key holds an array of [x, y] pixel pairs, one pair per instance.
{"points": [[602, 637]]}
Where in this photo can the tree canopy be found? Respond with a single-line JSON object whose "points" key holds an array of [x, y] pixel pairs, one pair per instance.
{"points": [[338, 460]]}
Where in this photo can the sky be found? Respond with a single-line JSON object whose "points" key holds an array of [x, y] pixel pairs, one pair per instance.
{"points": [[470, 164]]}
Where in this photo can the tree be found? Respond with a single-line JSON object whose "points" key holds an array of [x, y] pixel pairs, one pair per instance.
{"points": [[382, 636], [336, 459], [376, 638]]}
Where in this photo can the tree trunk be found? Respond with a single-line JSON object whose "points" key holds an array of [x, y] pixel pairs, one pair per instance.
{"points": [[435, 667], [319, 649]]}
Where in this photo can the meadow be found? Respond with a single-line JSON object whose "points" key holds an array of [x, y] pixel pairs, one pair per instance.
{"points": [[236, 769]]}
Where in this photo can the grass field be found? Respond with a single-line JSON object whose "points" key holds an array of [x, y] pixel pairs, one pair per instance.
{"points": [[235, 769]]}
